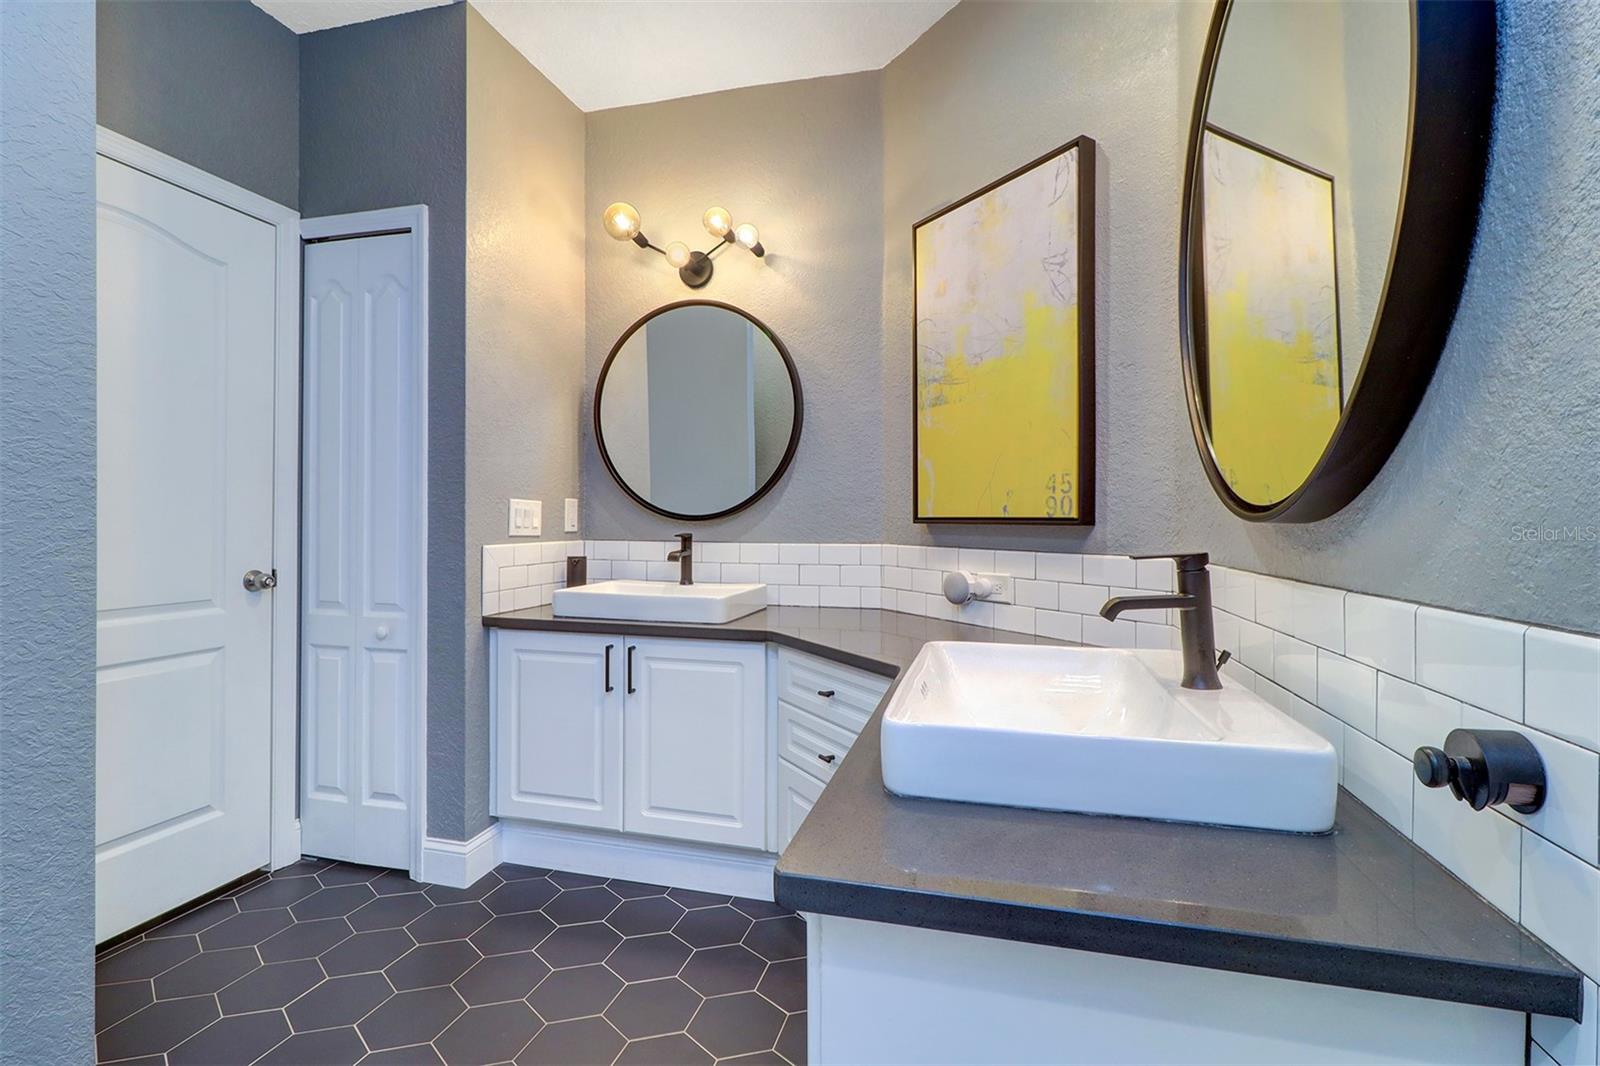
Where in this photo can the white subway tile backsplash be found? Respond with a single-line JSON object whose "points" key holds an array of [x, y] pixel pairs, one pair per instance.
{"points": [[943, 559], [646, 551], [609, 549], [718, 553], [839, 596], [1082, 599], [1156, 636], [1238, 673], [896, 577], [1255, 647], [554, 551], [872, 597], [709, 573], [1294, 665], [1012, 618], [780, 573], [513, 577], [1274, 604], [1561, 902], [1563, 685], [928, 582], [872, 554], [798, 554], [911, 602], [523, 554], [600, 570], [979, 560], [1225, 628], [491, 603], [1410, 716], [1234, 591], [819, 574], [1471, 658], [839, 554], [911, 556], [1480, 847], [1119, 634], [1572, 1043], [1059, 625], [741, 573], [758, 553], [500, 554], [976, 613], [801, 596], [1379, 778], [1349, 690], [1571, 813], [1318, 615], [627, 570], [660, 571], [861, 575], [1109, 570], [1051, 567], [521, 599], [1156, 574], [1044, 594], [1017, 564]]}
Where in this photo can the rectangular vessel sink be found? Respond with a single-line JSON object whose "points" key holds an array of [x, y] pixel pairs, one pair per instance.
{"points": [[659, 601], [1101, 731]]}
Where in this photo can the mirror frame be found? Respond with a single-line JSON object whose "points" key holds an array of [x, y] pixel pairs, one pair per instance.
{"points": [[794, 433], [1446, 165]]}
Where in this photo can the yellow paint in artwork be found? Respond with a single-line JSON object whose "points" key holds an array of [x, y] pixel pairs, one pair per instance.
{"points": [[1026, 398]]}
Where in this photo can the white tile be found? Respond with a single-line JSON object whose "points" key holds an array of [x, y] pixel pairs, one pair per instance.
{"points": [[819, 575], [1044, 594], [1379, 778], [709, 573], [610, 549], [928, 582], [1317, 615], [1237, 672], [1471, 658], [1349, 690], [1109, 570], [977, 613], [840, 554], [872, 597], [1255, 647], [1055, 566], [910, 556], [780, 573], [741, 573], [726, 552], [1017, 564], [872, 554], [646, 551], [1159, 575], [661, 571], [801, 596], [1410, 716], [599, 569], [939, 607], [502, 554], [1155, 635], [979, 560], [627, 570], [521, 599], [1480, 847], [491, 603], [1561, 902], [1570, 1043], [523, 554], [758, 553], [860, 575], [1274, 603], [513, 577], [1013, 618], [798, 554], [555, 551], [943, 559], [1571, 813], [896, 577], [1294, 665], [1084, 599], [907, 602], [1235, 592], [1563, 685], [1058, 624], [1103, 634], [1225, 629], [491, 576], [839, 596]]}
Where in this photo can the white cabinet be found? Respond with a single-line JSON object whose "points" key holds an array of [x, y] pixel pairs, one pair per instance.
{"points": [[797, 794], [663, 737]]}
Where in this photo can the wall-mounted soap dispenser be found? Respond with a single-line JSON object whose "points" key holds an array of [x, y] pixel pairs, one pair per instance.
{"points": [[1485, 767]]}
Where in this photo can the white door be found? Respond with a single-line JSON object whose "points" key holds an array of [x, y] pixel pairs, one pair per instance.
{"points": [[558, 727], [695, 745], [361, 504], [183, 708]]}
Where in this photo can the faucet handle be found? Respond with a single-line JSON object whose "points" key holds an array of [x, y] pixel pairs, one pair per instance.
{"points": [[1187, 561]]}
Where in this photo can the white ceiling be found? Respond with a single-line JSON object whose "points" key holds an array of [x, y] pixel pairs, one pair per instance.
{"points": [[611, 53]]}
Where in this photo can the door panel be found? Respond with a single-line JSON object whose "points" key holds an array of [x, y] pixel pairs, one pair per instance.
{"points": [[362, 419], [695, 746], [558, 743], [186, 309]]}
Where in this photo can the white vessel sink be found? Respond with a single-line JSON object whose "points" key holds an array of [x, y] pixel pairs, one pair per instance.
{"points": [[1101, 731], [659, 601]]}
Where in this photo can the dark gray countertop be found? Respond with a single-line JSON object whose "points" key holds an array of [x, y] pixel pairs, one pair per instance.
{"points": [[1360, 907]]}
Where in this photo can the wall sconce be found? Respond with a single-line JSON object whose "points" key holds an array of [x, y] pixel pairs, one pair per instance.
{"points": [[694, 268]]}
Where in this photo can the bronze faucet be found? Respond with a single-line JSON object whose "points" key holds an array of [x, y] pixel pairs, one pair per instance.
{"points": [[1193, 598]]}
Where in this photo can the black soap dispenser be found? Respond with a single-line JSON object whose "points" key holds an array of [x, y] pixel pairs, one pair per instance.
{"points": [[1485, 767]]}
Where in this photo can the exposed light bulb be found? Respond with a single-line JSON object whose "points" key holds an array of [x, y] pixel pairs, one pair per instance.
{"points": [[678, 254], [717, 222], [746, 235], [622, 221]]}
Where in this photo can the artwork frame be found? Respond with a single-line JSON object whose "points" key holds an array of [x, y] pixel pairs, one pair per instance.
{"points": [[1205, 353], [1082, 150]]}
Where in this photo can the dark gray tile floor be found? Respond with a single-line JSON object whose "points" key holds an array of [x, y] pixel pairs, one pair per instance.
{"points": [[325, 962]]}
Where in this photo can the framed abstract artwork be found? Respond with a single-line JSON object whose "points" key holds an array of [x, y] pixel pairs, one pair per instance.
{"points": [[1272, 387], [1003, 348]]}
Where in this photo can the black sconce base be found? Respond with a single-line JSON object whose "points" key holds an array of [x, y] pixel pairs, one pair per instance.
{"points": [[698, 272]]}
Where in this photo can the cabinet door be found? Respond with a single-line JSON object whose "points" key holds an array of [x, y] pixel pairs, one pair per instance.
{"points": [[558, 728], [797, 794], [696, 747]]}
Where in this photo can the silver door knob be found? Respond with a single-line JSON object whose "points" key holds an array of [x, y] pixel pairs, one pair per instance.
{"points": [[257, 581]]}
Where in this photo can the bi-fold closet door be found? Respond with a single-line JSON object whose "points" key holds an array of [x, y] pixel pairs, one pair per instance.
{"points": [[361, 497]]}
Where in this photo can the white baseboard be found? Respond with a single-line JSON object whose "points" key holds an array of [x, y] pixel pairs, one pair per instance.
{"points": [[457, 864], [635, 858]]}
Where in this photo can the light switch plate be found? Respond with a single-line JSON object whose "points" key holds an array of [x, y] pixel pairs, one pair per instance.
{"points": [[526, 518], [569, 523]]}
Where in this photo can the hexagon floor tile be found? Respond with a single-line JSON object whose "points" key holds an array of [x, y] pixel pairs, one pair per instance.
{"points": [[332, 962]]}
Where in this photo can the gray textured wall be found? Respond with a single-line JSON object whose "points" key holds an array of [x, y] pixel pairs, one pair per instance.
{"points": [[526, 227], [47, 501], [802, 160], [213, 82], [382, 124]]}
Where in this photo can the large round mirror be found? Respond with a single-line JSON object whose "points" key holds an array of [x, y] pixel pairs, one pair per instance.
{"points": [[1336, 163], [697, 411]]}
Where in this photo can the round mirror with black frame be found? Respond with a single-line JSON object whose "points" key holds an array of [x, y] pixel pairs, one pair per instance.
{"points": [[1336, 163], [697, 410]]}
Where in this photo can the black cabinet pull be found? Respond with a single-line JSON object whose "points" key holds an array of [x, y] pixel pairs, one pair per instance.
{"points": [[827, 758], [630, 670], [825, 693], [609, 686]]}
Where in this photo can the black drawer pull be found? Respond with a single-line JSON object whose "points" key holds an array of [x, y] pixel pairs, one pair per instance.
{"points": [[825, 693], [827, 758], [609, 685], [631, 689]]}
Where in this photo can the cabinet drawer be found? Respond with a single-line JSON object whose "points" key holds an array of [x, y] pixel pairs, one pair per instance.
{"points": [[797, 794], [843, 695], [811, 742]]}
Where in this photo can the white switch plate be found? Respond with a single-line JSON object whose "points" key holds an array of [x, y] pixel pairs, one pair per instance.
{"points": [[526, 518], [569, 523]]}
